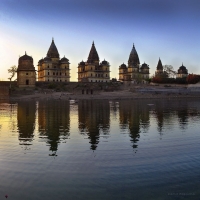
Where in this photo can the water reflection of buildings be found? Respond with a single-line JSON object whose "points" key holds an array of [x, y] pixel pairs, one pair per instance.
{"points": [[54, 122], [94, 119], [166, 112], [26, 112], [134, 117]]}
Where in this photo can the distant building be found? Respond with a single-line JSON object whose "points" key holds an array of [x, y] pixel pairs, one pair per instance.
{"points": [[26, 75], [52, 68], [159, 69], [182, 72], [133, 72], [93, 70]]}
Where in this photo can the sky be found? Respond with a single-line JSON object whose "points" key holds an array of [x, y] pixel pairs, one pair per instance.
{"points": [[165, 29]]}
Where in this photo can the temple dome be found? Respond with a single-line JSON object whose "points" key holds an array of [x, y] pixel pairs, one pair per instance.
{"points": [[47, 59], [64, 60], [182, 70], [123, 66], [25, 57], [82, 63], [144, 66], [104, 62]]}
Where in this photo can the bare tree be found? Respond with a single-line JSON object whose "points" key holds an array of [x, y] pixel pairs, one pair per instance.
{"points": [[169, 70], [12, 71]]}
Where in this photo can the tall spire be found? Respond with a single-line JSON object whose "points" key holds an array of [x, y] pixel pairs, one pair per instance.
{"points": [[159, 65], [133, 58], [53, 51], [93, 55]]}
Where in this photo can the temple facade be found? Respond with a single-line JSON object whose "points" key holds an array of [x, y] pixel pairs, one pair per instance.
{"points": [[26, 75], [93, 70], [134, 72], [52, 68]]}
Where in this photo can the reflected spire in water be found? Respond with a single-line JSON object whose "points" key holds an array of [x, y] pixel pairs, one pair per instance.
{"points": [[54, 123], [133, 116], [26, 112], [94, 119]]}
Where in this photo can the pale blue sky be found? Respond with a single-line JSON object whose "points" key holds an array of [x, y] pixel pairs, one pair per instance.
{"points": [[166, 29]]}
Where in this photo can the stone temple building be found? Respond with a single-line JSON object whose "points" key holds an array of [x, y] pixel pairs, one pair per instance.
{"points": [[182, 72], [52, 68], [93, 70], [134, 72], [26, 75]]}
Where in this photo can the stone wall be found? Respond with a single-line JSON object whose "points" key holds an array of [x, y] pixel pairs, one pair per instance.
{"points": [[4, 92]]}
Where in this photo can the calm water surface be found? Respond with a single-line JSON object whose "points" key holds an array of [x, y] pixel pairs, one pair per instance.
{"points": [[100, 149]]}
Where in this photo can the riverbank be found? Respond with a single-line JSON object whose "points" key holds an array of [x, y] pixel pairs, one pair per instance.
{"points": [[118, 95]]}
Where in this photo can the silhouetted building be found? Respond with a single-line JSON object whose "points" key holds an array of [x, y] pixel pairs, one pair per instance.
{"points": [[93, 70], [134, 72], [52, 68], [159, 69], [182, 72], [26, 75]]}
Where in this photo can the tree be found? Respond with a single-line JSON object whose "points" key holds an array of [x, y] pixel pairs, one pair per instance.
{"points": [[12, 71], [169, 70]]}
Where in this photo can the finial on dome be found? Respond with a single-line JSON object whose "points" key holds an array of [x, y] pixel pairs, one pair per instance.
{"points": [[93, 42], [25, 52], [52, 39]]}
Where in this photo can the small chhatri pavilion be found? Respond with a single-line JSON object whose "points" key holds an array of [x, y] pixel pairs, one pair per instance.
{"points": [[26, 75]]}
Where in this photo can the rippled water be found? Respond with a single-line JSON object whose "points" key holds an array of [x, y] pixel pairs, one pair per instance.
{"points": [[100, 150]]}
